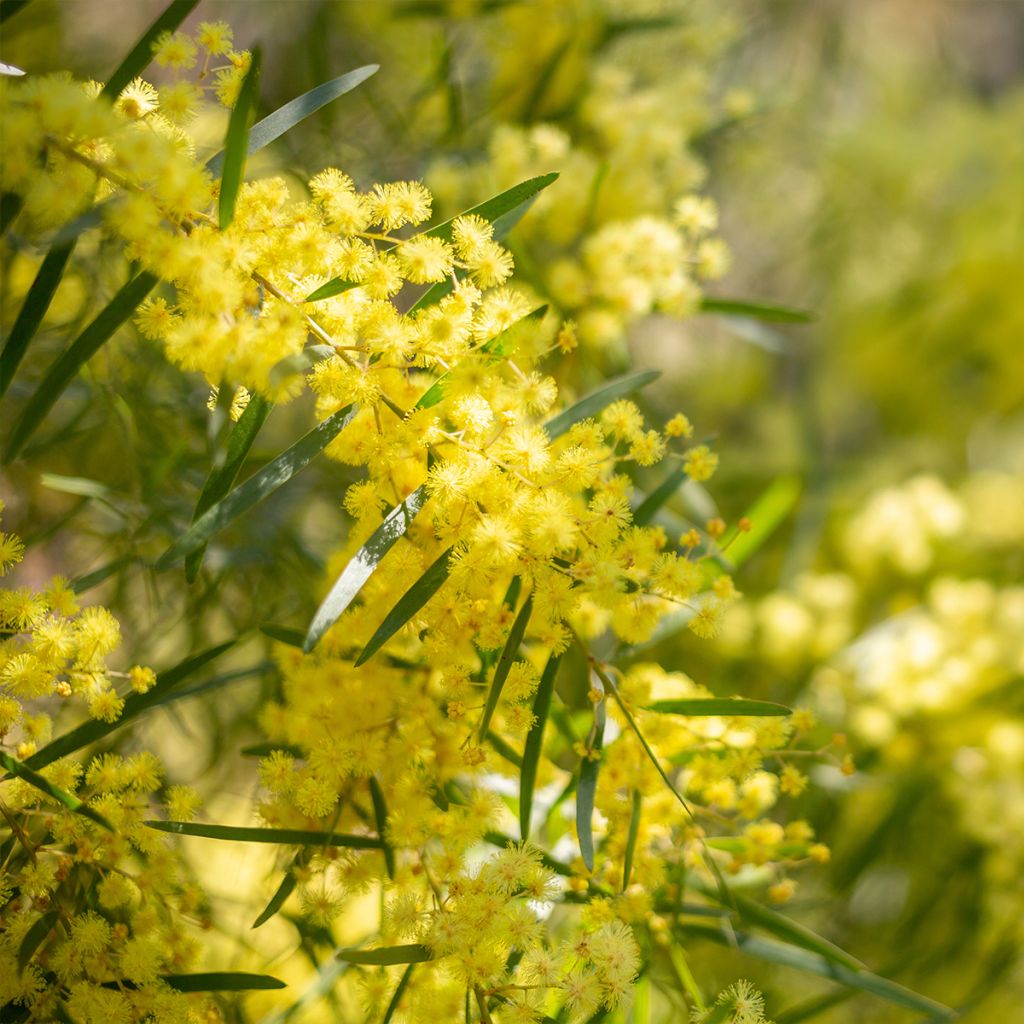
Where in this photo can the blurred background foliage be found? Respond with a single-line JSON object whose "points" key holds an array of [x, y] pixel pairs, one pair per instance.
{"points": [[868, 162]]}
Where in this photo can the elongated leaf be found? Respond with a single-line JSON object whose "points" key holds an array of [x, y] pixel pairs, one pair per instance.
{"points": [[503, 210], [135, 704], [380, 817], [219, 482], [268, 747], [118, 310], [281, 894], [33, 309], [712, 706], [282, 120], [592, 404], [97, 576], [397, 997], [221, 981], [812, 963], [648, 508], [414, 953], [283, 634], [535, 743], [408, 605], [11, 7], [508, 654], [33, 778], [280, 836], [631, 837], [765, 515], [586, 788], [363, 564], [261, 485], [236, 145], [755, 310], [10, 206], [36, 936], [142, 53]]}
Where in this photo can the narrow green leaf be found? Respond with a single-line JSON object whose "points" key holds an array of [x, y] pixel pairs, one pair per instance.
{"points": [[36, 936], [755, 310], [502, 748], [503, 210], [282, 120], [586, 788], [221, 981], [33, 778], [142, 53], [280, 836], [397, 997], [592, 404], [732, 707], [97, 576], [10, 206], [283, 634], [766, 515], [33, 309], [414, 953], [219, 482], [648, 508], [236, 144], [270, 478], [508, 654], [408, 605], [787, 955], [363, 564], [631, 837], [535, 743], [281, 894], [83, 348], [8, 8], [380, 816], [263, 749], [135, 704]]}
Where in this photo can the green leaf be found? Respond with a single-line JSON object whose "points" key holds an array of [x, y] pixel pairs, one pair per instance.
{"points": [[270, 478], [586, 788], [268, 747], [142, 53], [508, 654], [135, 704], [219, 482], [283, 891], [765, 515], [280, 836], [33, 309], [648, 508], [397, 997], [408, 605], [363, 564], [714, 706], [535, 743], [8, 8], [236, 144], [221, 981], [282, 120], [813, 963], [71, 802], [380, 817], [592, 404], [36, 936], [631, 837], [283, 634], [83, 348], [414, 953], [10, 206], [755, 310], [504, 211], [503, 748]]}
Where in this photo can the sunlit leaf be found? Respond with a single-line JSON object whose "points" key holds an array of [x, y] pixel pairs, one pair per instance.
{"points": [[586, 788], [590, 405], [631, 837], [280, 836], [236, 145], [733, 707], [20, 770], [755, 310], [508, 654]]}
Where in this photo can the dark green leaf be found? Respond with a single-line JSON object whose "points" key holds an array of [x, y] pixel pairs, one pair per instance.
{"points": [[508, 654], [221, 981], [592, 404], [713, 706], [380, 816], [219, 482], [648, 508], [503, 210], [10, 206], [142, 53], [97, 576], [117, 311], [8, 8], [36, 936], [236, 144], [282, 120], [263, 749], [283, 634], [755, 310], [259, 486], [765, 515], [408, 605], [135, 704], [363, 564], [280, 836], [534, 743], [586, 788], [283, 891], [71, 802], [397, 997], [33, 309], [414, 953], [631, 837], [505, 750]]}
